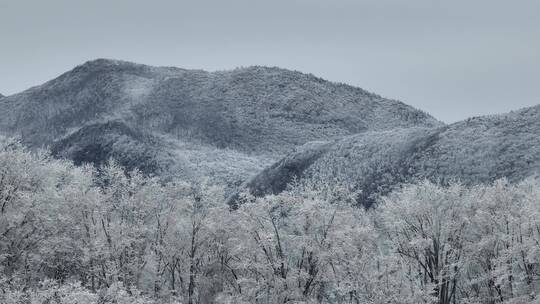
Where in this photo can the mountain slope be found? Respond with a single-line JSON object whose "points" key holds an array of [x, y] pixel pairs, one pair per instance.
{"points": [[476, 150], [172, 121]]}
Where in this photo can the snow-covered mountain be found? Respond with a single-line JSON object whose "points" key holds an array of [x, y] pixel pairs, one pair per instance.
{"points": [[262, 127], [480, 149], [190, 123]]}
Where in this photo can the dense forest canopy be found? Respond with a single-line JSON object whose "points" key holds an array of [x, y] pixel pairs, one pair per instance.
{"points": [[73, 234]]}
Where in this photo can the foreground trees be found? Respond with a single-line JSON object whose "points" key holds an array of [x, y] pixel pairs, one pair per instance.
{"points": [[76, 235]]}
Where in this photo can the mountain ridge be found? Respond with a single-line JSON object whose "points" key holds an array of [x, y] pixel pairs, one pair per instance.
{"points": [[174, 121]]}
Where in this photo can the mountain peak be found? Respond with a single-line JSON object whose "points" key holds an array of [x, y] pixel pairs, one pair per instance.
{"points": [[107, 62], [104, 64]]}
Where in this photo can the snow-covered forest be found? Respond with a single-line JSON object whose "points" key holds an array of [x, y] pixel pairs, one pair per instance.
{"points": [[73, 234]]}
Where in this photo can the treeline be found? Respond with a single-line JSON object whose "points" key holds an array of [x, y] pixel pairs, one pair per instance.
{"points": [[80, 235]]}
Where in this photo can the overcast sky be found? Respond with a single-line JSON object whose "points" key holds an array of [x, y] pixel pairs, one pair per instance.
{"points": [[453, 59]]}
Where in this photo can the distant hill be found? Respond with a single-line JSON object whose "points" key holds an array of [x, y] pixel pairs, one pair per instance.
{"points": [[170, 121], [476, 150]]}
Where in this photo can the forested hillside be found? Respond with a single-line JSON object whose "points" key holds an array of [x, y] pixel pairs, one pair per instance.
{"points": [[477, 150]]}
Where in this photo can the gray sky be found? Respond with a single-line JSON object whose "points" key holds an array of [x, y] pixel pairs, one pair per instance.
{"points": [[453, 59]]}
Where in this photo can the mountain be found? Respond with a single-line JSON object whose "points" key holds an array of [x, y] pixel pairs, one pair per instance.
{"points": [[480, 149], [191, 123], [262, 127]]}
